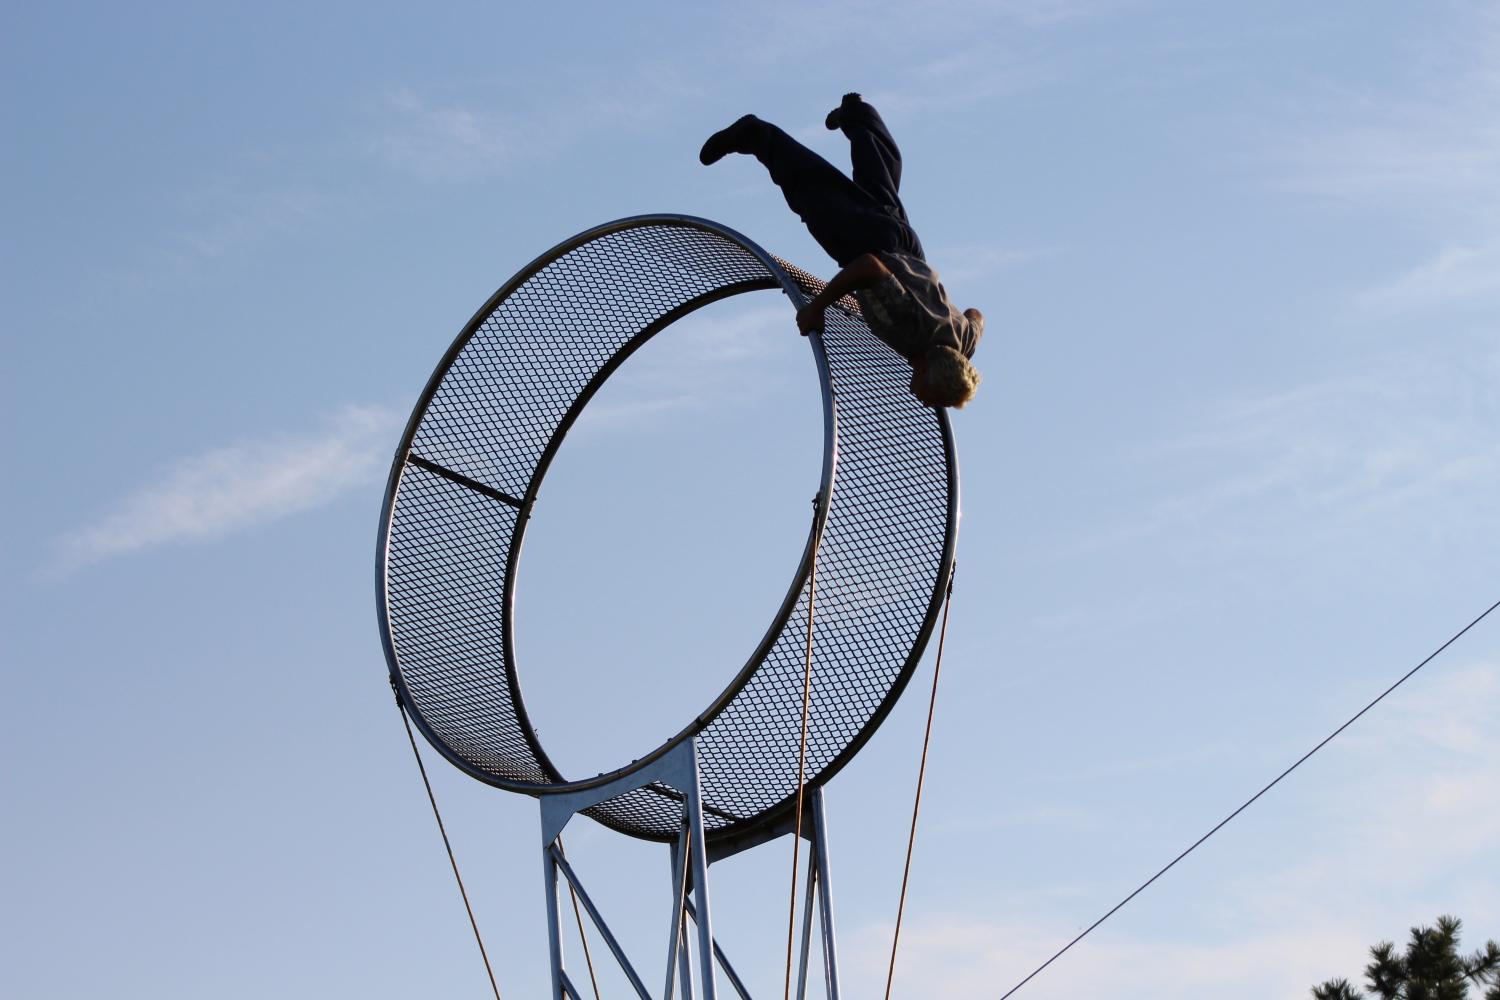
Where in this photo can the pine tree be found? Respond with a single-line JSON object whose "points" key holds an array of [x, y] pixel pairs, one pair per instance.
{"points": [[1431, 968]]}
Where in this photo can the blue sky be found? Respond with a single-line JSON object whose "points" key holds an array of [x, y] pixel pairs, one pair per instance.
{"points": [[1231, 472]]}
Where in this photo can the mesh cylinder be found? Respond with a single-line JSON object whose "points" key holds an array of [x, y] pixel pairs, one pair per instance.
{"points": [[469, 468]]}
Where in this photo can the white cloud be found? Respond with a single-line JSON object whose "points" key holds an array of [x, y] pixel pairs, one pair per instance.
{"points": [[710, 360], [1437, 755], [713, 360], [226, 489], [959, 957], [449, 141], [1413, 439], [1458, 272], [442, 139], [1407, 828], [235, 219], [219, 218], [1436, 152], [1431, 158], [972, 263], [903, 27]]}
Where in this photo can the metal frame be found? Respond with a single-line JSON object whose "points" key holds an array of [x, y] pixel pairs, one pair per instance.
{"points": [[691, 857], [798, 286]]}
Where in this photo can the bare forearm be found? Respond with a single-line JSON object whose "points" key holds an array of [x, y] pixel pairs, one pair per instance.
{"points": [[862, 272]]}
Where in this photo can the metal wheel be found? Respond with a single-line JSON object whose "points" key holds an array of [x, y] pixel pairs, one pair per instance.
{"points": [[466, 477]]}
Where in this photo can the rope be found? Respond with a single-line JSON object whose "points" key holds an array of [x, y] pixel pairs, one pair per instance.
{"points": [[791, 916], [916, 806], [578, 916], [401, 704], [1250, 801]]}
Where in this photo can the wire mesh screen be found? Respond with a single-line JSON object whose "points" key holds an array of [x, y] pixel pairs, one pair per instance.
{"points": [[466, 479]]}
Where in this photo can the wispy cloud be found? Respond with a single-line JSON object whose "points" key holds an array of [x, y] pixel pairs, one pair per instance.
{"points": [[1431, 159], [926, 66], [714, 360], [446, 140], [1412, 803], [974, 262], [229, 219], [891, 24], [215, 220], [1415, 435], [1456, 273], [230, 488], [963, 957]]}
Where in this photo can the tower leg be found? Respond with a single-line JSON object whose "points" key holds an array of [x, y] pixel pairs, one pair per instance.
{"points": [[554, 927], [677, 769], [690, 860], [676, 956], [825, 894], [807, 917], [698, 856]]}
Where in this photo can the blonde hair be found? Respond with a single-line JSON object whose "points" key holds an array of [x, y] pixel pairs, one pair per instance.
{"points": [[951, 380]]}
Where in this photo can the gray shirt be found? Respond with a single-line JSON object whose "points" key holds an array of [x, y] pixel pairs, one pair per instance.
{"points": [[910, 310]]}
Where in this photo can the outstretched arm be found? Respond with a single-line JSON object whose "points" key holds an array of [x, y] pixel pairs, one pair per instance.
{"points": [[862, 272]]}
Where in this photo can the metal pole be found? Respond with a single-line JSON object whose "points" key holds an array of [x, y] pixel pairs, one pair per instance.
{"points": [[554, 930], [685, 964], [724, 963], [674, 943], [825, 894], [561, 863], [698, 847], [807, 916]]}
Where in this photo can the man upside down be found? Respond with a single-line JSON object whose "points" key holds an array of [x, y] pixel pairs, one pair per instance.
{"points": [[862, 225]]}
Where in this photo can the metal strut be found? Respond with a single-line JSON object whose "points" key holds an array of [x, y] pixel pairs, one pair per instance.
{"points": [[690, 859], [677, 769]]}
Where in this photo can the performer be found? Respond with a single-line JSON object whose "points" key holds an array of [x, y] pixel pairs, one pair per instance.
{"points": [[863, 227]]}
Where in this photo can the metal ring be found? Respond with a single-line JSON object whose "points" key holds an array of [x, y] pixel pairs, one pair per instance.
{"points": [[466, 476]]}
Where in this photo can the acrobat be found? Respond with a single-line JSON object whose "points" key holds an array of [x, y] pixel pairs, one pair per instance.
{"points": [[862, 225]]}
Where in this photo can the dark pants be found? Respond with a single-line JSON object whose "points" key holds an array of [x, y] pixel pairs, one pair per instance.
{"points": [[848, 218]]}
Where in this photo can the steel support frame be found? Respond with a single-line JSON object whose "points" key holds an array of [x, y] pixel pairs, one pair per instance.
{"points": [[690, 859]]}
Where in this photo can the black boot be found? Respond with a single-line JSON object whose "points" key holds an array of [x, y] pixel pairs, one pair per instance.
{"points": [[734, 139], [835, 119]]}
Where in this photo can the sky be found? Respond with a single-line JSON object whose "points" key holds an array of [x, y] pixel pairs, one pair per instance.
{"points": [[1232, 471]]}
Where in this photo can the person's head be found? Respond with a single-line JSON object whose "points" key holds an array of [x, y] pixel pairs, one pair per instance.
{"points": [[944, 377]]}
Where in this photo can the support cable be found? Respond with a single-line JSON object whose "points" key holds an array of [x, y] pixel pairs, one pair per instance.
{"points": [[578, 916], [1250, 801], [916, 806], [681, 918], [791, 916], [406, 721], [921, 774]]}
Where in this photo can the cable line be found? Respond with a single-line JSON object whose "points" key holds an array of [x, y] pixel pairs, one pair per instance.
{"points": [[1250, 801], [578, 916], [916, 805], [406, 721]]}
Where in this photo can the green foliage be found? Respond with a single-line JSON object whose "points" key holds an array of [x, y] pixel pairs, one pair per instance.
{"points": [[1431, 968]]}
